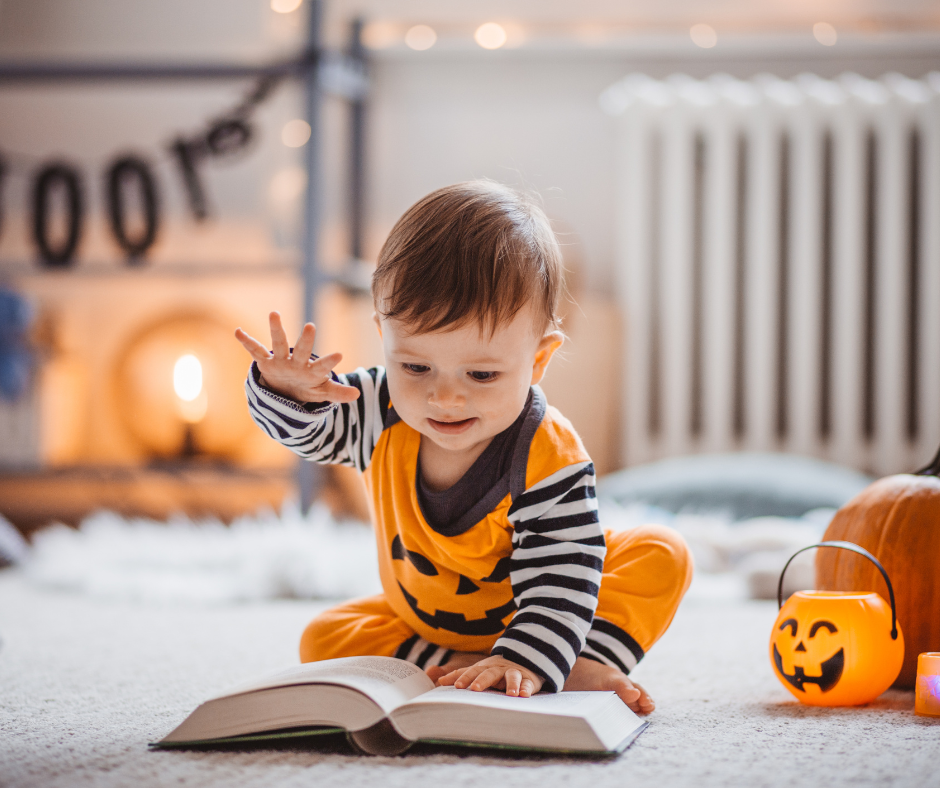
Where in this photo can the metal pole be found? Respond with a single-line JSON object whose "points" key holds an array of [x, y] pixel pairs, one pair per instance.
{"points": [[309, 474], [357, 143]]}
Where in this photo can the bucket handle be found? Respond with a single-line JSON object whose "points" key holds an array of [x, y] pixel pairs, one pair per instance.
{"points": [[855, 549]]}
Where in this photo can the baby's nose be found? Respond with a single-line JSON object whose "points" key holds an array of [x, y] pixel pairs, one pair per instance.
{"points": [[446, 396]]}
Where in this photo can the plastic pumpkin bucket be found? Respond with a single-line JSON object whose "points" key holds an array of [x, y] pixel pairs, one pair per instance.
{"points": [[833, 648]]}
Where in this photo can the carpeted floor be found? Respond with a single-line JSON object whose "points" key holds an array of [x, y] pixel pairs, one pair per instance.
{"points": [[85, 684]]}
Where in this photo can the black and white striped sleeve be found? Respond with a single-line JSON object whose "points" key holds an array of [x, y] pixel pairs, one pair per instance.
{"points": [[610, 645], [423, 653], [555, 570], [336, 434]]}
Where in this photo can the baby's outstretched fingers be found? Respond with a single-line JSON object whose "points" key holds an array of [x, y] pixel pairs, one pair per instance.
{"points": [[279, 343], [258, 351], [303, 347]]}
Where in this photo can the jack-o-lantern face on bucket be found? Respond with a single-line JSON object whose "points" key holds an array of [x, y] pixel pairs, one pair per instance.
{"points": [[836, 649], [830, 668]]}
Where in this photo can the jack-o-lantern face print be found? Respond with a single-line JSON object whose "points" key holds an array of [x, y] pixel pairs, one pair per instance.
{"points": [[835, 649], [829, 669], [456, 608]]}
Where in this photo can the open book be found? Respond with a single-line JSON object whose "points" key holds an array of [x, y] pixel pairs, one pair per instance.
{"points": [[386, 704]]}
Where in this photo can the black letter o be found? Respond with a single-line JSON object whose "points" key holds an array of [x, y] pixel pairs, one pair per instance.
{"points": [[46, 180], [126, 170]]}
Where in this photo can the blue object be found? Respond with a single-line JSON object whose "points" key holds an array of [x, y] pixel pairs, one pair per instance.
{"points": [[16, 359]]}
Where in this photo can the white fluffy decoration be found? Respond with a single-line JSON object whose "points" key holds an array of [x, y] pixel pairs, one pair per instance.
{"points": [[742, 558], [269, 556], [265, 556]]}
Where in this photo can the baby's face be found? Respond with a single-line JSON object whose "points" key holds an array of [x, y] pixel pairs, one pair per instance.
{"points": [[459, 387]]}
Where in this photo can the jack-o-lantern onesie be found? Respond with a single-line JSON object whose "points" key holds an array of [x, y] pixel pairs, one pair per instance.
{"points": [[511, 560]]}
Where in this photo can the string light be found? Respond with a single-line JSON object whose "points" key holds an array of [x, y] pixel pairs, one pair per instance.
{"points": [[295, 133], [490, 35], [285, 6], [703, 36], [420, 37]]}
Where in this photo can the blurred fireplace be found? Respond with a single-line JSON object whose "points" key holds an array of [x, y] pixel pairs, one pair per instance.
{"points": [[104, 426], [779, 267], [178, 389]]}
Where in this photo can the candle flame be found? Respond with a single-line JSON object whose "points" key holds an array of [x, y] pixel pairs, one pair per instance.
{"points": [[187, 383]]}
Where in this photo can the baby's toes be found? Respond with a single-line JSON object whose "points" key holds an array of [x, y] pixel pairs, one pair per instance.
{"points": [[627, 693]]}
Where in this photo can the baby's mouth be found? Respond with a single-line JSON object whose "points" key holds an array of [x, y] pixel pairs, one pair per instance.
{"points": [[452, 427]]}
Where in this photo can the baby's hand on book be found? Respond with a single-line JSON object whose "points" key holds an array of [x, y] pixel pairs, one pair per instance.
{"points": [[459, 659], [497, 672], [295, 374]]}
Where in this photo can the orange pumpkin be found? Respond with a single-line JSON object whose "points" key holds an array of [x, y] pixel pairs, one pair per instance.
{"points": [[897, 519]]}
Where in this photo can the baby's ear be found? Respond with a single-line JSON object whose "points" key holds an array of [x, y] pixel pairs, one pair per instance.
{"points": [[378, 322], [548, 344]]}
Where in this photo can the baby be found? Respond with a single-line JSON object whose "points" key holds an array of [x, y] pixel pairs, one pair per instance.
{"points": [[495, 568]]}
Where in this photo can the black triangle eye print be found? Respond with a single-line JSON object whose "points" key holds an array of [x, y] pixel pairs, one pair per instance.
{"points": [[500, 571], [422, 564], [466, 586]]}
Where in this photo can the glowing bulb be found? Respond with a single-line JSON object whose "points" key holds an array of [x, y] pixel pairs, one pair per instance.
{"points": [[490, 35], [825, 34], [295, 133], [285, 6], [187, 377], [703, 36], [420, 37], [192, 401]]}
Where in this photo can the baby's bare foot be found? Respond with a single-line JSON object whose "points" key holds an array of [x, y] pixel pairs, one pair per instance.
{"points": [[588, 674], [459, 659]]}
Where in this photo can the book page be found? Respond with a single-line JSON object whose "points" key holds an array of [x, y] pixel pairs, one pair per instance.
{"points": [[569, 704], [388, 681], [568, 721]]}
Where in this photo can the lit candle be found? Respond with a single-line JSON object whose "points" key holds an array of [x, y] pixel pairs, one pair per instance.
{"points": [[927, 694], [187, 383]]}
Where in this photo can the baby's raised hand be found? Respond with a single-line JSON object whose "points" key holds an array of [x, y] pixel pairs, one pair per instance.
{"points": [[495, 671], [294, 374]]}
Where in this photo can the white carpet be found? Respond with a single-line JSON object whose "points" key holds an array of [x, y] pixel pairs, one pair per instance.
{"points": [[86, 682]]}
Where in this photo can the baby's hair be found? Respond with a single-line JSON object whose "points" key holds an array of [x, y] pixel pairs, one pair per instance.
{"points": [[472, 252]]}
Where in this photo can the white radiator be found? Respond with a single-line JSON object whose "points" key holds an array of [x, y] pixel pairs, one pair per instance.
{"points": [[779, 267]]}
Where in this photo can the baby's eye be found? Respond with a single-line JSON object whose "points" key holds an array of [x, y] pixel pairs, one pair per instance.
{"points": [[482, 377], [414, 369]]}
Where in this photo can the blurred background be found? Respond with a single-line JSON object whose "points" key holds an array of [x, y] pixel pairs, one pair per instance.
{"points": [[747, 195]]}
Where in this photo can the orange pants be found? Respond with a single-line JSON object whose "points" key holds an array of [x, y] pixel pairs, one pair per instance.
{"points": [[646, 573]]}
